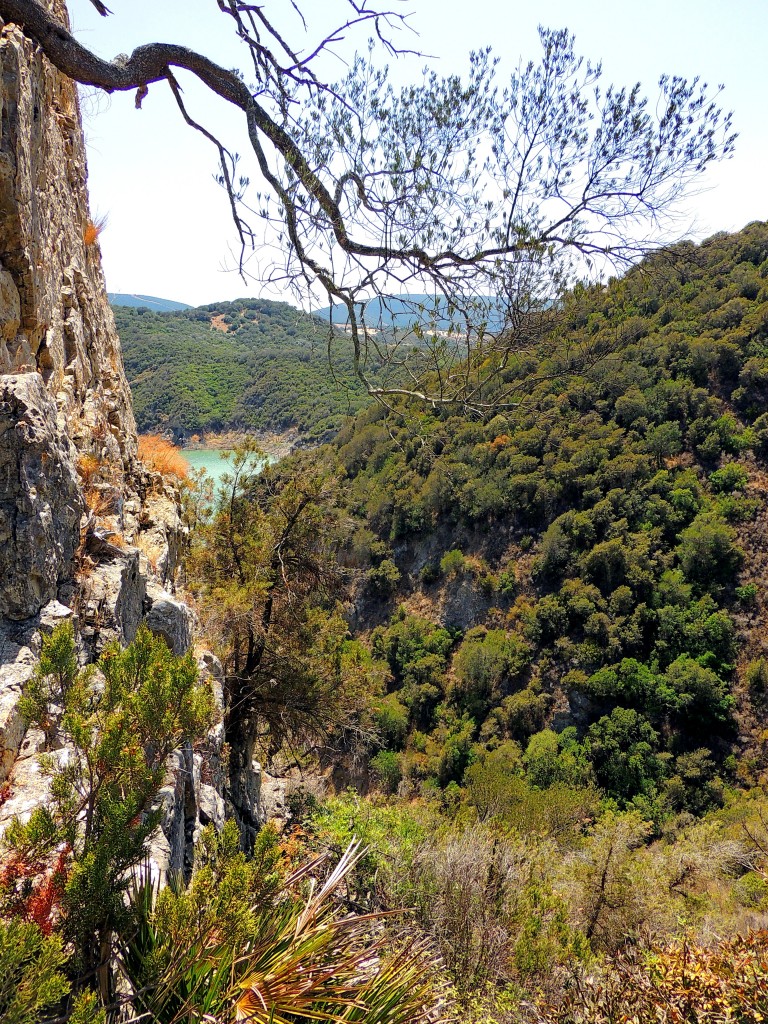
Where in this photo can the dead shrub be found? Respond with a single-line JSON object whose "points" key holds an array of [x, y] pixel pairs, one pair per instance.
{"points": [[102, 499], [163, 456], [88, 469]]}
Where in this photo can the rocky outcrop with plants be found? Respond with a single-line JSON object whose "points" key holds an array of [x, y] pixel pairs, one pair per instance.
{"points": [[88, 534]]}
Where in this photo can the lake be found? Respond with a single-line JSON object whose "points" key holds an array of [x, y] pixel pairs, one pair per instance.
{"points": [[211, 460]]}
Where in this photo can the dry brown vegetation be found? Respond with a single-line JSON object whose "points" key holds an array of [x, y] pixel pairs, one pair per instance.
{"points": [[93, 229], [163, 456]]}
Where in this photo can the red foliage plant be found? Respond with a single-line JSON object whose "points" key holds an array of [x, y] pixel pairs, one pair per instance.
{"points": [[31, 891]]}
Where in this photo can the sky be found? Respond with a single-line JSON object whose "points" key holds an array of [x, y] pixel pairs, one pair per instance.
{"points": [[168, 230]]}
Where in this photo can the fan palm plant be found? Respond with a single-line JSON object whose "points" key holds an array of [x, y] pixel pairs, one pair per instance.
{"points": [[195, 955]]}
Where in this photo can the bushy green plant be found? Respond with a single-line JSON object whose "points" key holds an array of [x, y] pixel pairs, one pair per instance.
{"points": [[708, 552], [120, 733], [453, 563], [31, 977], [622, 748], [391, 718], [731, 477], [751, 890], [233, 944], [386, 769], [757, 677], [487, 665], [384, 578], [747, 594]]}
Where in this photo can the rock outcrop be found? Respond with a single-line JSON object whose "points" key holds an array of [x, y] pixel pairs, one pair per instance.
{"points": [[40, 498], [54, 316], [86, 531]]}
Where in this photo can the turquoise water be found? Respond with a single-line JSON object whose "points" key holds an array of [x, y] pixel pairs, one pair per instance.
{"points": [[211, 460]]}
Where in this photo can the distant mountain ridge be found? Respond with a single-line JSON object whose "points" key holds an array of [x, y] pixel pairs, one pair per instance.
{"points": [[403, 311], [147, 301]]}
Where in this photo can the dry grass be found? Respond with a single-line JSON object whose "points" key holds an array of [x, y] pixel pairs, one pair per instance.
{"points": [[163, 456], [93, 229], [88, 468], [100, 501]]}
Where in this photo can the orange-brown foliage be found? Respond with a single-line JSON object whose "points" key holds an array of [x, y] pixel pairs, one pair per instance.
{"points": [[88, 467], [100, 501], [43, 903], [163, 456], [676, 983], [500, 441], [93, 229], [32, 890]]}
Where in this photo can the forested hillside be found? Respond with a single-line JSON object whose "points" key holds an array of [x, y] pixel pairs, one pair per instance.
{"points": [[245, 365], [458, 711], [529, 652], [579, 580]]}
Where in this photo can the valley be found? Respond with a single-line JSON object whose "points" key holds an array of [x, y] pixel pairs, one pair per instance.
{"points": [[443, 694]]}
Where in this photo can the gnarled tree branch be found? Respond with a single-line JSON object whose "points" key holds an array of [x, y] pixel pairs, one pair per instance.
{"points": [[485, 203]]}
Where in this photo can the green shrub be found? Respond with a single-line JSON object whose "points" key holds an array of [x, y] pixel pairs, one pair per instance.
{"points": [[102, 808], [751, 890], [622, 748], [757, 677], [523, 713], [708, 552], [429, 574], [387, 770], [506, 582], [30, 972], [552, 758], [488, 664], [453, 563], [747, 594], [384, 578], [391, 718], [732, 477]]}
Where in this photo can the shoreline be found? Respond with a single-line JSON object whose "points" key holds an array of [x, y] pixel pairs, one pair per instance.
{"points": [[273, 444]]}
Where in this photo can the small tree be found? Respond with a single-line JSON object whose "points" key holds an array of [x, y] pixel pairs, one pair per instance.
{"points": [[118, 735], [265, 572]]}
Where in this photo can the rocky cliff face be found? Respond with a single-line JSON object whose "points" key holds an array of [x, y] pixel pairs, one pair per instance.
{"points": [[54, 317], [86, 532], [63, 397]]}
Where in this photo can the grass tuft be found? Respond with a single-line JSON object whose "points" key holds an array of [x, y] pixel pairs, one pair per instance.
{"points": [[163, 456]]}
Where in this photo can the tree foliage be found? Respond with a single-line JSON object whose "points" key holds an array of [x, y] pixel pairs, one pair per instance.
{"points": [[610, 659], [484, 197], [119, 726]]}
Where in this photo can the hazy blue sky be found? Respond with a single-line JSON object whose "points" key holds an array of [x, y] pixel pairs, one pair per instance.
{"points": [[169, 233]]}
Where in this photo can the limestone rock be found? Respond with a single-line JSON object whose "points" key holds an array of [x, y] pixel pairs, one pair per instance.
{"points": [[30, 787], [17, 663], [53, 615], [40, 501], [211, 807], [171, 619], [68, 456], [160, 527], [113, 599], [54, 317]]}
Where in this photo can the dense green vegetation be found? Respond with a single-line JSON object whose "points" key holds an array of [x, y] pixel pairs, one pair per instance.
{"points": [[532, 647], [558, 594], [567, 580], [557, 629], [264, 368], [85, 930]]}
